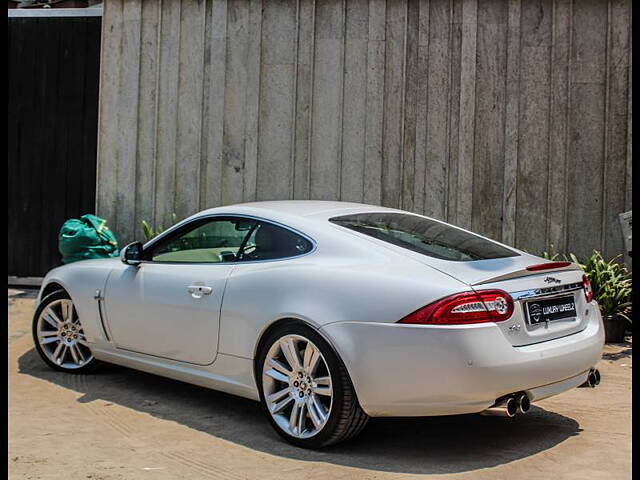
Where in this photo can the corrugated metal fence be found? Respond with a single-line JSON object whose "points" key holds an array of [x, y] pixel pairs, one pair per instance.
{"points": [[509, 117]]}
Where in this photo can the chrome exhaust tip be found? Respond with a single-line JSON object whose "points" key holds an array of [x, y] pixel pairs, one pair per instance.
{"points": [[593, 379], [504, 407], [524, 404]]}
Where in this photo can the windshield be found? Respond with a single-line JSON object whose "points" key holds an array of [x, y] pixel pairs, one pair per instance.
{"points": [[424, 236]]}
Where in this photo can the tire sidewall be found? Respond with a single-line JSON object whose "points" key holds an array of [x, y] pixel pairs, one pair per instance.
{"points": [[44, 303], [333, 363]]}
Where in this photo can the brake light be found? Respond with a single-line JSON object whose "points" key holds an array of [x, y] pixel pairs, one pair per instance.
{"points": [[463, 308], [588, 291], [547, 266]]}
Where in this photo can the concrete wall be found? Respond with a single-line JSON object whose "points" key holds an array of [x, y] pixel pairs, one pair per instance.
{"points": [[509, 117]]}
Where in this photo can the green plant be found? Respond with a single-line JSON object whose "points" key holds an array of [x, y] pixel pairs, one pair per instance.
{"points": [[611, 284], [552, 254], [149, 232], [610, 281]]}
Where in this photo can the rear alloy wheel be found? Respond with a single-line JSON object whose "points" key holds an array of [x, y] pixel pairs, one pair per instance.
{"points": [[306, 390], [59, 336]]}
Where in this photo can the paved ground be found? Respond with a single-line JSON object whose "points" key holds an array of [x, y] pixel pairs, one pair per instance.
{"points": [[123, 424]]}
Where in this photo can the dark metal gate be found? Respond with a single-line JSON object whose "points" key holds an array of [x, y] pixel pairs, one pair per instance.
{"points": [[53, 71]]}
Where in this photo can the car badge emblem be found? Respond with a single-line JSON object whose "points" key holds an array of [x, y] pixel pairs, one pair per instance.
{"points": [[551, 280], [535, 312]]}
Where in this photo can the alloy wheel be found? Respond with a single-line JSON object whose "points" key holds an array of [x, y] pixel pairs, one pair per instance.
{"points": [[61, 336], [297, 386]]}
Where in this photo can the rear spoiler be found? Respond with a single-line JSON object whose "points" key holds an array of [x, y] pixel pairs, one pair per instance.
{"points": [[535, 269]]}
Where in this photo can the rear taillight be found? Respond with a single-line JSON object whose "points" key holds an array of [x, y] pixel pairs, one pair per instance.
{"points": [[586, 286], [462, 308], [547, 266]]}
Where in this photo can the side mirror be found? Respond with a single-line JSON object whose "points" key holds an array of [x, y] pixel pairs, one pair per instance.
{"points": [[132, 253]]}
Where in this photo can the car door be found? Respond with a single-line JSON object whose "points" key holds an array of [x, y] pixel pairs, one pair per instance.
{"points": [[169, 305]]}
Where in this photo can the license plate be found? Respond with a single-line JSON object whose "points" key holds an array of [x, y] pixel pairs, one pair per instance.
{"points": [[541, 311]]}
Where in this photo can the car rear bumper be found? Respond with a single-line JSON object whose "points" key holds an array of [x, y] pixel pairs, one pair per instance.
{"points": [[419, 370]]}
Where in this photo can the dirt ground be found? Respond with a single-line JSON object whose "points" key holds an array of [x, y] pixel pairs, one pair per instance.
{"points": [[124, 424]]}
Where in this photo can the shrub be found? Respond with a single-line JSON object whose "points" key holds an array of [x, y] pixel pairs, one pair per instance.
{"points": [[611, 284], [610, 281], [150, 233]]}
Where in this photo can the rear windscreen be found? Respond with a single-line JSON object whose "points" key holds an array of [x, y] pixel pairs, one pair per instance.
{"points": [[425, 236]]}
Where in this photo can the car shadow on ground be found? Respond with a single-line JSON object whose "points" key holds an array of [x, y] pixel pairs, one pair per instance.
{"points": [[442, 445], [624, 353]]}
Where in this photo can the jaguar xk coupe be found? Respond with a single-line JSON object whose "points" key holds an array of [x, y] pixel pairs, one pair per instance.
{"points": [[329, 313]]}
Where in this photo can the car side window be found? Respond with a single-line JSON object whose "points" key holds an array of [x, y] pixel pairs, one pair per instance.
{"points": [[269, 242], [213, 240]]}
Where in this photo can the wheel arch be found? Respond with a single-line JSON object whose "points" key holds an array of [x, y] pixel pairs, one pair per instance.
{"points": [[292, 321], [51, 287]]}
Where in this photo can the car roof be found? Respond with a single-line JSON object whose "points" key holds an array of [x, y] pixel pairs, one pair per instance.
{"points": [[320, 209]]}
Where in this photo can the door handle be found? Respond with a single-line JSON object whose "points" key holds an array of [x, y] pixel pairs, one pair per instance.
{"points": [[197, 291]]}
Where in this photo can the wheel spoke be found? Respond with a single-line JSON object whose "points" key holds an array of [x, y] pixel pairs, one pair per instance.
{"points": [[64, 309], [51, 318], [317, 417], [296, 420], [319, 408], [280, 367], [278, 407], [274, 397], [301, 417], [63, 354], [322, 380], [48, 339], [293, 418], [56, 352], [308, 353], [48, 333], [80, 354], [290, 352], [277, 375], [311, 357], [326, 391], [72, 349]]}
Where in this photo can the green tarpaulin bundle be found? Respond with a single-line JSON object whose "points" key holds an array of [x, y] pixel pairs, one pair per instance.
{"points": [[86, 238]]}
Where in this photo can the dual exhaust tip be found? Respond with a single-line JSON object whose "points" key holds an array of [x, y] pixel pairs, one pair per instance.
{"points": [[519, 403], [509, 406], [593, 379]]}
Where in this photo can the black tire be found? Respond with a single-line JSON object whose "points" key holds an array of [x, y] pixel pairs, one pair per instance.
{"points": [[346, 418], [89, 367]]}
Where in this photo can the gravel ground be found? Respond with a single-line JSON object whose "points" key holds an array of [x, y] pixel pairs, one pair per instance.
{"points": [[124, 424]]}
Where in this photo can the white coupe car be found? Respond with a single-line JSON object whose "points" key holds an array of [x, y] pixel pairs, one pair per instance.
{"points": [[329, 313]]}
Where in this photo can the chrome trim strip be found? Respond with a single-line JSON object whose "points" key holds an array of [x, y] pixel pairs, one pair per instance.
{"points": [[99, 298], [545, 292], [101, 317]]}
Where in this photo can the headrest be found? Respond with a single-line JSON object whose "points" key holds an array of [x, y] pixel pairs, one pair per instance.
{"points": [[270, 237]]}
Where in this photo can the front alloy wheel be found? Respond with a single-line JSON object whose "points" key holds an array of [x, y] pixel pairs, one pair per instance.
{"points": [[59, 337], [306, 390]]}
